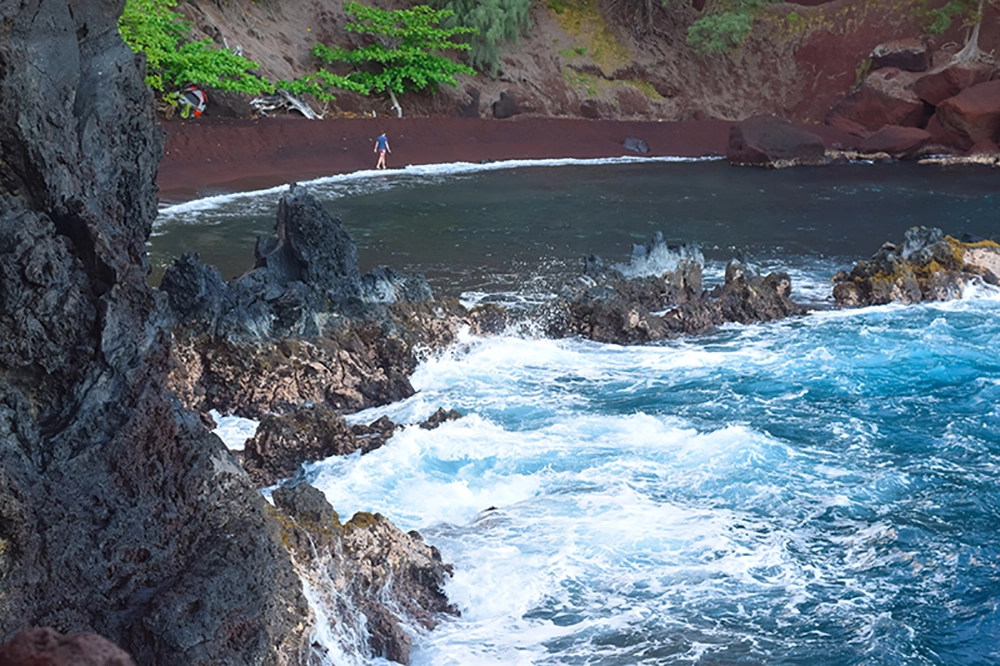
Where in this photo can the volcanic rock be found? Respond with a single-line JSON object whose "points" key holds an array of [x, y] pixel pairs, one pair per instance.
{"points": [[928, 266], [119, 513], [636, 145], [382, 576], [305, 275], [612, 307], [938, 85], [772, 142], [47, 647], [898, 142], [283, 442], [885, 98], [973, 114], [906, 54], [506, 106]]}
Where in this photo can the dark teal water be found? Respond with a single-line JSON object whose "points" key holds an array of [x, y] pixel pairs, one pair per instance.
{"points": [[818, 491]]}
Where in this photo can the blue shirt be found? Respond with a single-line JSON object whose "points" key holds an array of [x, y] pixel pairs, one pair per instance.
{"points": [[383, 143]]}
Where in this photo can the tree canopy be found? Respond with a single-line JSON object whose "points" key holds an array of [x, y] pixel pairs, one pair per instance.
{"points": [[154, 28], [404, 53]]}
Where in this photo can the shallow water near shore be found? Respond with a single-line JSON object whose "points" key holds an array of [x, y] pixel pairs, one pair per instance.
{"points": [[818, 490]]}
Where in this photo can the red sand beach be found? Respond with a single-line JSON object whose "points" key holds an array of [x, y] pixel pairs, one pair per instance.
{"points": [[208, 156]]}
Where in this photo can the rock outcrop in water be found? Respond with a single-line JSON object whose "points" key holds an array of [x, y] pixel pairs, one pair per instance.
{"points": [[659, 295], [120, 514], [928, 266], [304, 326], [366, 565]]}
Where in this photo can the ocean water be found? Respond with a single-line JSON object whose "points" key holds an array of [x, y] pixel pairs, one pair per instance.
{"points": [[819, 490]]}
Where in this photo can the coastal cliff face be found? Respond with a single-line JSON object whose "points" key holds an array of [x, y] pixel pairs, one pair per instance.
{"points": [[608, 59], [119, 513]]}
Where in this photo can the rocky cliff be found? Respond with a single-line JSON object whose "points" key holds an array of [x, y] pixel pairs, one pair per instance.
{"points": [[120, 513], [610, 58]]}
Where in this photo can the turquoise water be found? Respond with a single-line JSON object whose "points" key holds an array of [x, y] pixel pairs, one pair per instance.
{"points": [[821, 490]]}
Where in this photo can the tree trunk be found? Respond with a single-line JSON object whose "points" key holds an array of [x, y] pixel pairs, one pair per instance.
{"points": [[971, 51], [395, 104]]}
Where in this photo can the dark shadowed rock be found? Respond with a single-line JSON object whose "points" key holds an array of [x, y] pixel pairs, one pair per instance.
{"points": [[609, 306], [928, 266], [383, 577], [283, 442], [898, 142], [506, 106], [119, 513], [439, 417], [48, 647], [471, 108], [305, 275], [906, 54], [984, 147], [636, 145], [944, 82], [885, 98], [224, 104], [772, 142], [973, 114]]}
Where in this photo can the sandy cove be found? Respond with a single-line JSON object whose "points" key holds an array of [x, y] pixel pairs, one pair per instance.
{"points": [[210, 156]]}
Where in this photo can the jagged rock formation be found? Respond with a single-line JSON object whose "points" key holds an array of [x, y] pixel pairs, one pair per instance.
{"points": [[283, 442], [366, 567], [304, 326], [928, 266], [119, 513], [305, 278], [659, 295]]}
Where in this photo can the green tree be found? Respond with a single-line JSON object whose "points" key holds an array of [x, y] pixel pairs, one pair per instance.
{"points": [[940, 19], [495, 22], [154, 28], [405, 52], [725, 25]]}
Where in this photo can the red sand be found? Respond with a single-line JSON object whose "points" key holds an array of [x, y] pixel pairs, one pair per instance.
{"points": [[208, 156]]}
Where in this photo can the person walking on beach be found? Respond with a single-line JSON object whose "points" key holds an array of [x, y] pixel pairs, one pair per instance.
{"points": [[382, 147]]}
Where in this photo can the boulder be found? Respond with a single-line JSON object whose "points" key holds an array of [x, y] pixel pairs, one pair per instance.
{"points": [[907, 54], [506, 106], [47, 647], [898, 142], [984, 147], [973, 114], [928, 266], [225, 104], [947, 139], [885, 98], [636, 145], [944, 82], [471, 108], [772, 142]]}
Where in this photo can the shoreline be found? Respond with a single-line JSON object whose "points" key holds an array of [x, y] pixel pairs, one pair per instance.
{"points": [[216, 156]]}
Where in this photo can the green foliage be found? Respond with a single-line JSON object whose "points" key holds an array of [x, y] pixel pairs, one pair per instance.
{"points": [[861, 72], [403, 56], [495, 22], [719, 32], [320, 84], [152, 27], [938, 20]]}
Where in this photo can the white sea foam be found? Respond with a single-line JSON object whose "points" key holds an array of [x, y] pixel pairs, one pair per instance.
{"points": [[234, 431], [381, 179]]}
